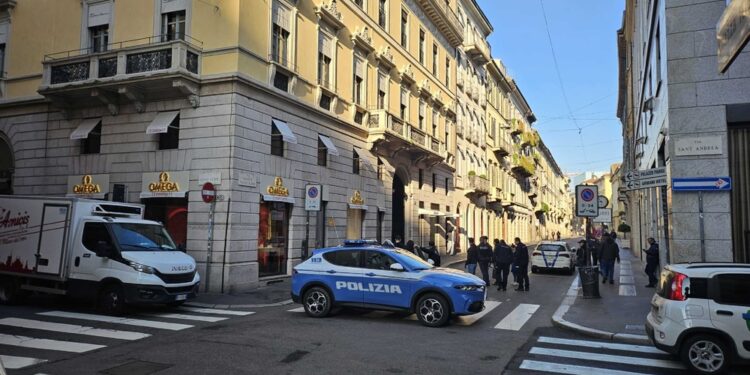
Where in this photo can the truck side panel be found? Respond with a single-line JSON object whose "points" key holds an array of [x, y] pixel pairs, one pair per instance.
{"points": [[52, 237]]}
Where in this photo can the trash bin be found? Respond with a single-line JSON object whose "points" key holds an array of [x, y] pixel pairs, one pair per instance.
{"points": [[589, 281]]}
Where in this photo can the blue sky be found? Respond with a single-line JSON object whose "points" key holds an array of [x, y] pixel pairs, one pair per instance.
{"points": [[584, 37]]}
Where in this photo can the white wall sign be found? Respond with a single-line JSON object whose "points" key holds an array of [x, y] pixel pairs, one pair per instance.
{"points": [[605, 216], [246, 179], [213, 177], [698, 146]]}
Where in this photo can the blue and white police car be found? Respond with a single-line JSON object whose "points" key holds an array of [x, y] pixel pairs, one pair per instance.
{"points": [[367, 275]]}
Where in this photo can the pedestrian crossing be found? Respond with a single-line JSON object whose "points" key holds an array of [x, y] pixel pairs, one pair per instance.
{"points": [[56, 334], [513, 320], [562, 355], [627, 280]]}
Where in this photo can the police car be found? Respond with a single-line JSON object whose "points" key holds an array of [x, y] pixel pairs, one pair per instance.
{"points": [[553, 255], [367, 275]]}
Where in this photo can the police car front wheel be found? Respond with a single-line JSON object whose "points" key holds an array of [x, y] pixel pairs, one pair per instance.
{"points": [[317, 302], [432, 310]]}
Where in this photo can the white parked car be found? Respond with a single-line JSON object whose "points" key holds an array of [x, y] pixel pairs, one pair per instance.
{"points": [[701, 312], [553, 255]]}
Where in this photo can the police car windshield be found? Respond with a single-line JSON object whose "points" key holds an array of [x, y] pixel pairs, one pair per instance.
{"points": [[412, 261]]}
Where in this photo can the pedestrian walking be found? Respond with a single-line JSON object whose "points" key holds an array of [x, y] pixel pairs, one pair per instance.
{"points": [[450, 241], [521, 260], [558, 235], [485, 258], [594, 249], [652, 262], [609, 253], [433, 253], [472, 257], [503, 260]]}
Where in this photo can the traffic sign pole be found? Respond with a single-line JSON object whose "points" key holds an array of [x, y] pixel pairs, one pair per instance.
{"points": [[208, 193]]}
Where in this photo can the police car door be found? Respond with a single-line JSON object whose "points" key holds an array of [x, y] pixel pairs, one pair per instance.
{"points": [[343, 275], [730, 308], [383, 286]]}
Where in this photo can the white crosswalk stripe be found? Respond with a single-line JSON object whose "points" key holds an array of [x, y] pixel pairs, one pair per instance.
{"points": [[11, 362], [36, 332], [598, 357], [297, 310], [601, 345], [518, 317], [559, 368], [71, 328], [471, 319]]}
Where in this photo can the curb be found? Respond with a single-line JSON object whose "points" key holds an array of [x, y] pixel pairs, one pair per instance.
{"points": [[240, 306], [558, 320]]}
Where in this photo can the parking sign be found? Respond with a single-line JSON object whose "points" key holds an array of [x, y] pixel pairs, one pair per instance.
{"points": [[312, 197], [587, 204]]}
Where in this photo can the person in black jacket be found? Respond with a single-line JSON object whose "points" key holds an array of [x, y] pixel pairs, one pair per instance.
{"points": [[472, 257], [503, 259], [485, 258], [521, 260], [652, 262], [432, 253]]}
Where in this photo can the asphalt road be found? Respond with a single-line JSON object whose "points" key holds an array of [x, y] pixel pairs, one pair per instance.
{"points": [[275, 340]]}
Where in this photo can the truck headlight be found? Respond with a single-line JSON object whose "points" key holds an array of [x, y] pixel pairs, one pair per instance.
{"points": [[142, 267], [470, 288]]}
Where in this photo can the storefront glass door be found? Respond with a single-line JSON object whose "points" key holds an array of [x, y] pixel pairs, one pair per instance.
{"points": [[273, 237]]}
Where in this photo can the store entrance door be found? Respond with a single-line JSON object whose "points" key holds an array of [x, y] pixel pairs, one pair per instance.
{"points": [[273, 238]]}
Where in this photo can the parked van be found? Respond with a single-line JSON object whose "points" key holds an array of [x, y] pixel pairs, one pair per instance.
{"points": [[90, 249]]}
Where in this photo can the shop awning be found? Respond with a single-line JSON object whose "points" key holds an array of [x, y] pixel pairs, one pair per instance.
{"points": [[286, 132], [451, 216], [277, 198], [426, 212], [84, 128], [358, 207], [332, 150], [160, 124], [365, 156]]}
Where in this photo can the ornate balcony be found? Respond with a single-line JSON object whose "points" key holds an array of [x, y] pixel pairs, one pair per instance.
{"points": [[445, 19], [477, 48], [502, 147], [477, 185], [139, 70], [390, 136], [523, 166]]}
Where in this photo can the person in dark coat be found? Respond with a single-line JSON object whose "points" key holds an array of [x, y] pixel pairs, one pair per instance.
{"points": [[521, 260], [503, 260], [472, 257], [432, 253], [399, 243], [594, 248], [652, 262], [581, 253], [485, 258], [608, 254]]}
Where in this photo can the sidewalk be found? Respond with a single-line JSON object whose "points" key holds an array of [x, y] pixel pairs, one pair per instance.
{"points": [[620, 313], [274, 294]]}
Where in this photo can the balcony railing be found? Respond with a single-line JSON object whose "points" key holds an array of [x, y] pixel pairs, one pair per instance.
{"points": [[479, 184], [121, 59], [502, 146], [476, 47], [523, 165], [381, 122]]}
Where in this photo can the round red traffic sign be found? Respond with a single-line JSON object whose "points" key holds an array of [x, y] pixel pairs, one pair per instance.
{"points": [[208, 192]]}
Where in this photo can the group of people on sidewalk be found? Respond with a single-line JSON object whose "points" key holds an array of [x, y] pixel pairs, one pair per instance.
{"points": [[504, 259], [606, 252], [430, 252]]}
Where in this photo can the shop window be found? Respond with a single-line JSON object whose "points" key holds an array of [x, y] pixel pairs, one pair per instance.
{"points": [[93, 142], [277, 141], [322, 154], [273, 231], [355, 162], [171, 139]]}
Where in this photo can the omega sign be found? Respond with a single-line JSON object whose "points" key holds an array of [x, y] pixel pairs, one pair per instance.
{"points": [[87, 186], [278, 188], [164, 185]]}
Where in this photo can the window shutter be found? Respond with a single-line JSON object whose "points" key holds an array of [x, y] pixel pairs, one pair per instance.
{"points": [[404, 97], [421, 108], [359, 68], [99, 14], [326, 45], [281, 16], [382, 82]]}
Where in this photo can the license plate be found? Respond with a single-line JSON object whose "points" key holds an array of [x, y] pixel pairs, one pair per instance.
{"points": [[180, 297]]}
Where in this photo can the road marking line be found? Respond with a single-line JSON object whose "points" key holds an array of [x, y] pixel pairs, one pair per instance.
{"points": [[607, 358], [216, 311], [200, 318], [117, 320], [471, 319], [14, 363], [601, 345], [72, 328], [518, 317], [559, 368], [627, 290], [46, 344], [297, 310]]}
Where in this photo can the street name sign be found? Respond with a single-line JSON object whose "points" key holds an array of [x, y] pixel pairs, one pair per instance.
{"points": [[732, 32], [587, 204], [605, 216], [649, 178], [702, 184]]}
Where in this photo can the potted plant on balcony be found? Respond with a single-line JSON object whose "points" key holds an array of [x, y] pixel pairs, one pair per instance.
{"points": [[472, 173]]}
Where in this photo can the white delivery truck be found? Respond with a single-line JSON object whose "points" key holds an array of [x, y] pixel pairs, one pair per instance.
{"points": [[90, 249]]}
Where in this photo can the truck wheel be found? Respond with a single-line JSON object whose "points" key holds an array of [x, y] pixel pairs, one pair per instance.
{"points": [[433, 310], [705, 354], [10, 292], [112, 300]]}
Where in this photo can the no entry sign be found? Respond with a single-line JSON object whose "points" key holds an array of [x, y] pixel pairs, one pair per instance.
{"points": [[208, 192]]}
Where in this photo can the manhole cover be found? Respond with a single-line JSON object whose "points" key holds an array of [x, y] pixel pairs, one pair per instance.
{"points": [[136, 368]]}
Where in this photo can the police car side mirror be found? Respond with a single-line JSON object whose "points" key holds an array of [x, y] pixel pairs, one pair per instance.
{"points": [[397, 267], [431, 262]]}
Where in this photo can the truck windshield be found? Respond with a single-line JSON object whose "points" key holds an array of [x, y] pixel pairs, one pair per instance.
{"points": [[142, 237]]}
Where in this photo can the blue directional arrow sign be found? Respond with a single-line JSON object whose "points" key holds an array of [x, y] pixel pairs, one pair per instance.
{"points": [[702, 184]]}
